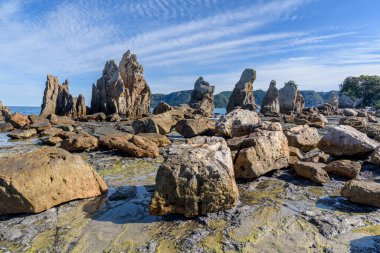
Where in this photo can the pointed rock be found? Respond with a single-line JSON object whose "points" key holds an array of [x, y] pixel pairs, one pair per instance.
{"points": [[291, 99], [202, 98], [271, 101]]}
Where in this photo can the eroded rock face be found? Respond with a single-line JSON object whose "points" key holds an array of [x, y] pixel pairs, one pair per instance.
{"points": [[362, 192], [38, 180], [202, 98], [130, 144], [196, 178], [242, 95], [271, 101], [259, 153], [346, 141], [238, 122], [58, 100], [312, 171], [17, 120], [122, 89], [291, 99], [303, 137], [345, 168]]}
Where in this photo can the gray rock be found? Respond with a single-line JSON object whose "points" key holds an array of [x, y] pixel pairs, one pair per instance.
{"points": [[202, 98], [271, 101], [124, 193], [238, 122], [291, 99], [242, 95]]}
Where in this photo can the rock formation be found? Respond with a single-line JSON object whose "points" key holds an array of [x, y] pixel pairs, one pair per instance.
{"points": [[291, 99], [238, 122], [303, 137], [312, 171], [271, 101], [58, 100], [348, 102], [334, 101], [202, 98], [242, 95], [122, 89]]}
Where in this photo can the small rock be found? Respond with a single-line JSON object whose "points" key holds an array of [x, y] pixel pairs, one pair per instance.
{"points": [[312, 171]]}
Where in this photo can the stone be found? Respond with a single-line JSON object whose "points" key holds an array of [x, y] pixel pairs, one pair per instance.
{"points": [[23, 134], [6, 127], [161, 108], [299, 121], [373, 131], [333, 101], [238, 122], [17, 120], [295, 155], [259, 153], [51, 140], [123, 193], [160, 140], [130, 144], [41, 125], [99, 116], [318, 121], [270, 126], [303, 137], [58, 100], [291, 99], [348, 102], [52, 132], [35, 181], [60, 120], [242, 95], [312, 171], [113, 117], [196, 178], [358, 123], [122, 89], [79, 142], [375, 156], [346, 141], [372, 119], [362, 192], [344, 168], [193, 127], [161, 123], [202, 98], [362, 113], [316, 156], [271, 101], [289, 119], [350, 113]]}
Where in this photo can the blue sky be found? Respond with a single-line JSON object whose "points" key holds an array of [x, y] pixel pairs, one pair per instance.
{"points": [[317, 43]]}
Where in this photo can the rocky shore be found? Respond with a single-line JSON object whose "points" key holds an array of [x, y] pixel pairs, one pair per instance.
{"points": [[116, 178]]}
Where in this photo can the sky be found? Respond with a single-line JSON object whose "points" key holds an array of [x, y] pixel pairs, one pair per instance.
{"points": [[316, 43]]}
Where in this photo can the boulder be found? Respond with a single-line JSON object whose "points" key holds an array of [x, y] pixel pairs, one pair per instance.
{"points": [[333, 101], [372, 119], [161, 108], [35, 181], [6, 127], [51, 140], [289, 119], [202, 98], [375, 156], [196, 178], [318, 121], [295, 155], [23, 134], [362, 113], [114, 117], [373, 131], [259, 153], [362, 192], [312, 171], [79, 142], [291, 99], [242, 95], [17, 120], [161, 123], [350, 113], [238, 122], [130, 144], [41, 125], [316, 156], [346, 141], [192, 127], [303, 137], [299, 121], [344, 168], [60, 120], [348, 102], [271, 101], [99, 116], [358, 123], [52, 132], [160, 140], [123, 193]]}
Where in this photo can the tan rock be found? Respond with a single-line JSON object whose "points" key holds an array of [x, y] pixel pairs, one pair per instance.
{"points": [[6, 127], [312, 171], [345, 168], [362, 192], [17, 120], [161, 108], [373, 132], [303, 137], [159, 139], [162, 123], [238, 122], [38, 180], [79, 142], [60, 120], [51, 140], [202, 98], [192, 127], [358, 123], [375, 156], [23, 134]]}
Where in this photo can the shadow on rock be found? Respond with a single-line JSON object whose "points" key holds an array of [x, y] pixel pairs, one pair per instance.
{"points": [[366, 244], [337, 203]]}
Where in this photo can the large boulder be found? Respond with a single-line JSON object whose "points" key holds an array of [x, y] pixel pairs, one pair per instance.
{"points": [[159, 139], [161, 108], [196, 178], [362, 192], [6, 127], [349, 112], [202, 98], [23, 134], [122, 89], [358, 123], [45, 177], [161, 123], [17, 120], [130, 144], [58, 100], [271, 101], [303, 137], [259, 153], [318, 120], [242, 95], [238, 122], [79, 142], [373, 131], [346, 141], [198, 126], [60, 120], [312, 171], [345, 168], [291, 99]]}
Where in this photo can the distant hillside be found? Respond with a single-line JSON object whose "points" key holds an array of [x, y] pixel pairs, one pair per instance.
{"points": [[312, 98]]}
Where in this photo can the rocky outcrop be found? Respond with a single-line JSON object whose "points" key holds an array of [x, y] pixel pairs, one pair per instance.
{"points": [[271, 101], [238, 122], [161, 108], [291, 99], [242, 95], [122, 89], [38, 180], [362, 192], [344, 168], [303, 137], [333, 101], [346, 141], [196, 178], [130, 144], [192, 127], [202, 98], [58, 100], [312, 171], [348, 102]]}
